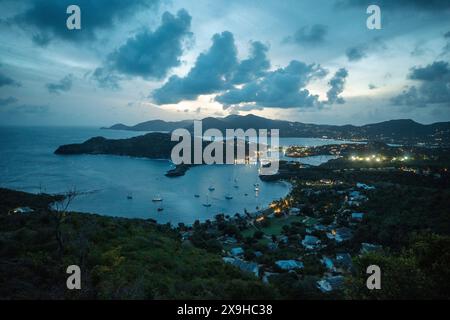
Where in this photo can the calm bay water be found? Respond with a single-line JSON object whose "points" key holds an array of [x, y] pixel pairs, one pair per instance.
{"points": [[27, 163]]}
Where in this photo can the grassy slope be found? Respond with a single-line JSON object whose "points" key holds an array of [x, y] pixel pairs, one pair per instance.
{"points": [[120, 258]]}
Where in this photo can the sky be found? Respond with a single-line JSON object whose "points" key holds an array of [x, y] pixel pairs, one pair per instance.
{"points": [[298, 60]]}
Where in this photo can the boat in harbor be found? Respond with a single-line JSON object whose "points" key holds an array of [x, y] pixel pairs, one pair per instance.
{"points": [[130, 196], [211, 188], [157, 199], [228, 196], [207, 203], [196, 195]]}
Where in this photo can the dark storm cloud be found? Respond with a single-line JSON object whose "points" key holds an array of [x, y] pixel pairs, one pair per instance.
{"points": [[216, 70], [212, 72], [148, 54], [432, 5], [337, 84], [63, 85], [282, 88], [46, 19], [253, 67], [152, 54], [311, 35], [433, 87]]}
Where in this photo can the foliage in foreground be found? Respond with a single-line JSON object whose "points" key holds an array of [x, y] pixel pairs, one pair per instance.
{"points": [[119, 258]]}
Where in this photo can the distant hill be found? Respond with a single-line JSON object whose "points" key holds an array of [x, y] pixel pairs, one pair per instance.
{"points": [[403, 131], [153, 125], [151, 145]]}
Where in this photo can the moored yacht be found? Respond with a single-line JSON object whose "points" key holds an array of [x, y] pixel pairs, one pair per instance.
{"points": [[207, 204]]}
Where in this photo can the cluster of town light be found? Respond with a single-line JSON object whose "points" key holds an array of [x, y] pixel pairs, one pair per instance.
{"points": [[279, 206], [377, 158]]}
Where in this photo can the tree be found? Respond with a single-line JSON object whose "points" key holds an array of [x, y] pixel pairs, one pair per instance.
{"points": [[60, 208]]}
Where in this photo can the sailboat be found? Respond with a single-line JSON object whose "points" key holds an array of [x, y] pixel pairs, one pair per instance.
{"points": [[207, 204]]}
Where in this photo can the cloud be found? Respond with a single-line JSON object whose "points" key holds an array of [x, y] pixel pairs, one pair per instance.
{"points": [[7, 81], [433, 87], [46, 19], [356, 53], [361, 51], [337, 84], [437, 71], [419, 50], [63, 85], [309, 35], [281, 88], [216, 70], [149, 54], [446, 49], [248, 84], [212, 72], [7, 101], [106, 79], [245, 108], [429, 5], [253, 67]]}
